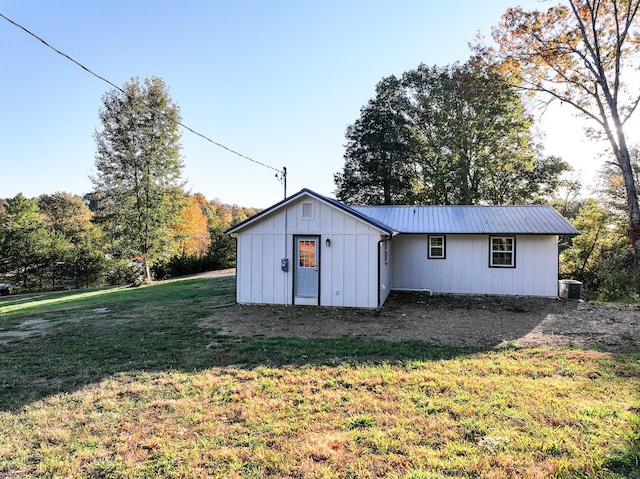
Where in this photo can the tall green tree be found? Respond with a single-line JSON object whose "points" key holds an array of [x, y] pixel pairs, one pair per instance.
{"points": [[476, 139], [585, 54], [139, 167], [27, 249], [86, 263], [380, 146], [445, 135]]}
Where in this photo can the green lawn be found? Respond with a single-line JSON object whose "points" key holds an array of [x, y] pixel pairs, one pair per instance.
{"points": [[124, 383]]}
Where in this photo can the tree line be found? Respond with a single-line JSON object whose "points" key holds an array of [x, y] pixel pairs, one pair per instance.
{"points": [[445, 135], [137, 224], [57, 242], [602, 255]]}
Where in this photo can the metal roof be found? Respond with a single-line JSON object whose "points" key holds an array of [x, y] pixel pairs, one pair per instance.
{"points": [[529, 219]]}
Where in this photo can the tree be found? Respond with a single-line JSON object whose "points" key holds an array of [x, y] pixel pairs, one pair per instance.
{"points": [[26, 247], [378, 167], [445, 135], [582, 54], [68, 219], [595, 223], [600, 256], [139, 170], [67, 214], [86, 263], [192, 230], [204, 222], [476, 139], [612, 182]]}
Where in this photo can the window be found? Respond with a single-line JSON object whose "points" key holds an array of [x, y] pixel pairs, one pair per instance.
{"points": [[307, 253], [307, 211], [437, 247], [503, 252]]}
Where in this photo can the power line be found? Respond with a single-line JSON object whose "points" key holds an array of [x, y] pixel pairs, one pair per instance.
{"points": [[88, 70]]}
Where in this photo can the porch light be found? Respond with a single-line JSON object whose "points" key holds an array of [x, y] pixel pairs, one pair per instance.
{"points": [[328, 242]]}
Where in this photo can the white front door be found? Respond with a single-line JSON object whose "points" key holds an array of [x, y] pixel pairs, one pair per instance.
{"points": [[306, 270]]}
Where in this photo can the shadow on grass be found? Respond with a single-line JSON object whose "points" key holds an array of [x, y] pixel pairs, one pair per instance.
{"points": [[82, 354]]}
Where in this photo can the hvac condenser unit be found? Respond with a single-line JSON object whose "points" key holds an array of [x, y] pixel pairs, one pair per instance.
{"points": [[569, 289]]}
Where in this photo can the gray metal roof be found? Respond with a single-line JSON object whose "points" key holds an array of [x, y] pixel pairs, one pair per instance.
{"points": [[530, 219]]}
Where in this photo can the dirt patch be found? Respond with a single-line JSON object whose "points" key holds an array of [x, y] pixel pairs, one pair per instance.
{"points": [[31, 327], [483, 321], [36, 327]]}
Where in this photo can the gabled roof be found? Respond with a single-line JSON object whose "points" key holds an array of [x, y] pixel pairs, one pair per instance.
{"points": [[306, 192], [529, 219]]}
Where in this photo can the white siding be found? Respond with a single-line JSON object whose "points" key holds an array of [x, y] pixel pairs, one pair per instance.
{"points": [[466, 267], [256, 284], [348, 266]]}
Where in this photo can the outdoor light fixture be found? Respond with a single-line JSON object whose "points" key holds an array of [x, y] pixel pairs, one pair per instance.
{"points": [[328, 242]]}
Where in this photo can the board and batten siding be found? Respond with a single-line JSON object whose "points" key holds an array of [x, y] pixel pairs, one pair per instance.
{"points": [[466, 267], [348, 266]]}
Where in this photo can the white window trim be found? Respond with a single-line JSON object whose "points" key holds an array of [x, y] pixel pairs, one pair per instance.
{"points": [[513, 252], [430, 255]]}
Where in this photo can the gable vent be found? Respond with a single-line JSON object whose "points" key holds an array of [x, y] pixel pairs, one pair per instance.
{"points": [[307, 211]]}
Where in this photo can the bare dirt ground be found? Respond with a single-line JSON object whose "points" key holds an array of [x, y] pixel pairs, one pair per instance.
{"points": [[483, 321], [453, 320]]}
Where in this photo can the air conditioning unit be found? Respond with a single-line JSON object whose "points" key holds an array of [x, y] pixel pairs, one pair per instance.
{"points": [[569, 289]]}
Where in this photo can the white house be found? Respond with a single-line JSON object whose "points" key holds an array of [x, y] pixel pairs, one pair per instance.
{"points": [[309, 249]]}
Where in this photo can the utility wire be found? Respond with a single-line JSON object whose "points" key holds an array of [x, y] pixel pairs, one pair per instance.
{"points": [[88, 70]]}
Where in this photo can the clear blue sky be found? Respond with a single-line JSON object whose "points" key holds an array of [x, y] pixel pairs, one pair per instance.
{"points": [[278, 81]]}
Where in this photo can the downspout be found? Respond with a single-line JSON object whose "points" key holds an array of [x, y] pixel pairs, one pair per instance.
{"points": [[290, 263], [235, 296], [383, 240]]}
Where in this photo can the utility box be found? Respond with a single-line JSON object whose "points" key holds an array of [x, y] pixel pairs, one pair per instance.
{"points": [[569, 289]]}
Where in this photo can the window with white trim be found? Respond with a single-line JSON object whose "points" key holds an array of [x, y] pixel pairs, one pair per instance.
{"points": [[437, 247], [502, 252]]}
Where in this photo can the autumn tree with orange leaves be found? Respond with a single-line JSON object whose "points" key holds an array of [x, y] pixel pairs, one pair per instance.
{"points": [[582, 53], [192, 229]]}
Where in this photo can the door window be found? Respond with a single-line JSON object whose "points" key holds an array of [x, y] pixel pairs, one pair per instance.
{"points": [[307, 253]]}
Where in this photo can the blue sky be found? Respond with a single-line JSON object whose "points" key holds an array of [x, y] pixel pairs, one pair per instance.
{"points": [[278, 81]]}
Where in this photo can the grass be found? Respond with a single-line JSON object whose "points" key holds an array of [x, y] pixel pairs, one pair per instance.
{"points": [[125, 384]]}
